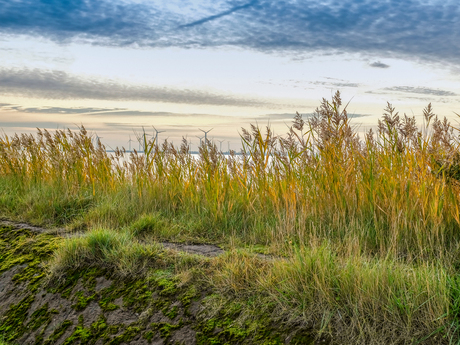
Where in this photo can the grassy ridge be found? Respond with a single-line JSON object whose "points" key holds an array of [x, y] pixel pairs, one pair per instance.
{"points": [[368, 228]]}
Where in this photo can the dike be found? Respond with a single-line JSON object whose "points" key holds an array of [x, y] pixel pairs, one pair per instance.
{"points": [[94, 307]]}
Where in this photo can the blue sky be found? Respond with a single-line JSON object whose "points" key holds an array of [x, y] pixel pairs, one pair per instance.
{"points": [[116, 66]]}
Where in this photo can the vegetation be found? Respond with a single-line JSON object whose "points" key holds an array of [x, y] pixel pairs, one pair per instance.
{"points": [[363, 233]]}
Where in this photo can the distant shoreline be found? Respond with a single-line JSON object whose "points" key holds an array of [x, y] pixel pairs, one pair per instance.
{"points": [[191, 152]]}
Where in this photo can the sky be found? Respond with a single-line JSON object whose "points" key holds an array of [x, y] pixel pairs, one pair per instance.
{"points": [[120, 66]]}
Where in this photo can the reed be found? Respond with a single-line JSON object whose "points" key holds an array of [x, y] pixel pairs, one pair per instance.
{"points": [[387, 203]]}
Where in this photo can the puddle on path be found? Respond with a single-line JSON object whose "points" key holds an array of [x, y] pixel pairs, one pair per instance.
{"points": [[200, 249]]}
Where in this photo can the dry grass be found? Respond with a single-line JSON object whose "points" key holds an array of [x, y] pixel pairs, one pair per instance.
{"points": [[353, 300], [369, 227]]}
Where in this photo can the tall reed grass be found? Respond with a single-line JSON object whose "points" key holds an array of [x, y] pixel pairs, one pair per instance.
{"points": [[393, 193], [387, 203]]}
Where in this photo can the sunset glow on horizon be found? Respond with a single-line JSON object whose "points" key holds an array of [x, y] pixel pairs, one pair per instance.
{"points": [[117, 67]]}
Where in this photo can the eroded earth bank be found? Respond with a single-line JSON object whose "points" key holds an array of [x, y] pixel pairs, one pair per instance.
{"points": [[96, 306]]}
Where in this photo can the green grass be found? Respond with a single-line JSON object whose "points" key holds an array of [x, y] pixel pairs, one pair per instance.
{"points": [[366, 231], [119, 252]]}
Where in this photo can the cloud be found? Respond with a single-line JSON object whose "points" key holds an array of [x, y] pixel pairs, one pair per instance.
{"points": [[52, 110], [279, 117], [60, 85], [63, 20], [420, 90], [290, 116], [336, 84], [411, 28], [127, 112], [378, 64], [355, 116], [95, 112], [32, 125]]}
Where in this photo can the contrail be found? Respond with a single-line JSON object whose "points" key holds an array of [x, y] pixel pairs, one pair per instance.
{"points": [[216, 16]]}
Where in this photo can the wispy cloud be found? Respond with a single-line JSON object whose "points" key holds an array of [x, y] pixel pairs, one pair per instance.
{"points": [[335, 84], [279, 117], [420, 90], [60, 85], [287, 117], [378, 64], [32, 125], [414, 28], [53, 110]]}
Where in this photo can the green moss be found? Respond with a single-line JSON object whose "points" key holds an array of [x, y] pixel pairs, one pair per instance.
{"points": [[113, 329], [186, 298], [165, 281], [107, 296], [218, 331], [107, 305], [97, 330], [167, 286], [67, 283], [149, 335], [58, 332], [66, 286], [82, 300], [135, 294], [99, 326], [13, 324], [172, 313], [80, 333], [29, 249], [161, 303], [129, 334], [243, 321], [89, 278], [20, 246], [165, 328], [41, 316]]}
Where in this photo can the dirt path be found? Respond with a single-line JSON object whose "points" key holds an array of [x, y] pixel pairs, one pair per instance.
{"points": [[209, 250], [200, 249]]}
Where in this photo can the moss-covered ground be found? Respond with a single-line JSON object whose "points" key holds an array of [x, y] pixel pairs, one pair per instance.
{"points": [[93, 306]]}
